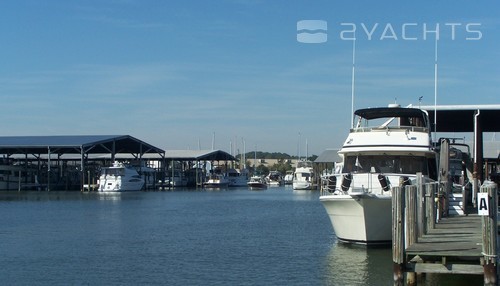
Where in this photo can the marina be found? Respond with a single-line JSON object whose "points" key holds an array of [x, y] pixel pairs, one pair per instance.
{"points": [[276, 236], [359, 193], [250, 143]]}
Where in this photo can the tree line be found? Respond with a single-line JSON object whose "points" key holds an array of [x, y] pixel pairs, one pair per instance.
{"points": [[283, 165]]}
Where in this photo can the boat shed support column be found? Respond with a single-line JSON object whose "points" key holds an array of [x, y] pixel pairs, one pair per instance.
{"points": [[477, 174], [48, 169], [82, 171], [113, 152]]}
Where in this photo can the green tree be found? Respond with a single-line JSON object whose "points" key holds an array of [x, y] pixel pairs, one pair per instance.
{"points": [[262, 170]]}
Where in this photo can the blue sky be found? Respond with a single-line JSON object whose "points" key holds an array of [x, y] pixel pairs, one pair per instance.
{"points": [[174, 73]]}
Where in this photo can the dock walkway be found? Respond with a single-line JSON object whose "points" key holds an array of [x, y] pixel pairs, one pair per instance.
{"points": [[455, 243], [460, 244]]}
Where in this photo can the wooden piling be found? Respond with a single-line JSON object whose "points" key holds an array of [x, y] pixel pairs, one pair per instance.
{"points": [[490, 232], [420, 205], [19, 182], [398, 238], [430, 207], [411, 214]]}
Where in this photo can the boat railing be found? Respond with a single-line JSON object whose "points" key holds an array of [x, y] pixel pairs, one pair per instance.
{"points": [[392, 128], [367, 185]]}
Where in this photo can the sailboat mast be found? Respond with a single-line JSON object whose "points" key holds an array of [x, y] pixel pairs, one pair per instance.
{"points": [[213, 140], [244, 154], [307, 150], [352, 81]]}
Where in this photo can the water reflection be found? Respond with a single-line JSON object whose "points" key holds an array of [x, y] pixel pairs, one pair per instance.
{"points": [[306, 195], [115, 197], [69, 196], [358, 265]]}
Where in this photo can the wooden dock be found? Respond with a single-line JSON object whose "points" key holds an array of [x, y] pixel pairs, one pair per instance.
{"points": [[462, 244]]}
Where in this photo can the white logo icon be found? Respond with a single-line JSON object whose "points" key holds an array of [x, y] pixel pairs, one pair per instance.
{"points": [[312, 31]]}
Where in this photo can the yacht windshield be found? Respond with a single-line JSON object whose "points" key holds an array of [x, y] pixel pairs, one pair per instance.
{"points": [[385, 164]]}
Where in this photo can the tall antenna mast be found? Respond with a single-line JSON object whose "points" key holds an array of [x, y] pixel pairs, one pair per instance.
{"points": [[435, 85], [352, 81]]}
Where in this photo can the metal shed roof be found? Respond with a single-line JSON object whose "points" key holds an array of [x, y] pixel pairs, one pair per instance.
{"points": [[328, 156], [73, 144], [460, 118], [199, 155]]}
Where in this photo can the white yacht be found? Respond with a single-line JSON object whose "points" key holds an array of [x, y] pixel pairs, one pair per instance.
{"points": [[288, 179], [386, 148], [120, 178], [14, 177], [237, 178], [303, 176]]}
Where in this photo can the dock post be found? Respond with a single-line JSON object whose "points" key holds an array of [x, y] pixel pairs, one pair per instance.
{"points": [[410, 214], [420, 205], [490, 232], [19, 182], [398, 237], [410, 224], [88, 180]]}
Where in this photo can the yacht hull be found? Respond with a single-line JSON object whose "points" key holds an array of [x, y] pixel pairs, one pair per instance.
{"points": [[116, 185], [362, 219], [302, 185]]}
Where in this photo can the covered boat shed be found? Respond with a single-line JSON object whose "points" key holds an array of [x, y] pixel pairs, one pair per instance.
{"points": [[198, 155], [194, 163], [45, 149], [467, 118], [326, 161], [76, 144]]}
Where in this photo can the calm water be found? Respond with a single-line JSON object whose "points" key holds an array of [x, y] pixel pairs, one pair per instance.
{"points": [[231, 237]]}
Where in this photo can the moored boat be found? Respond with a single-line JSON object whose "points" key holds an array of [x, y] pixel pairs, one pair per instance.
{"points": [[216, 181], [274, 178], [16, 176], [120, 178], [288, 179], [257, 183], [387, 148], [303, 176], [237, 178]]}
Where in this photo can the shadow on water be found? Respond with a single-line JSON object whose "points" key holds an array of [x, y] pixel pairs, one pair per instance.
{"points": [[359, 265]]}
